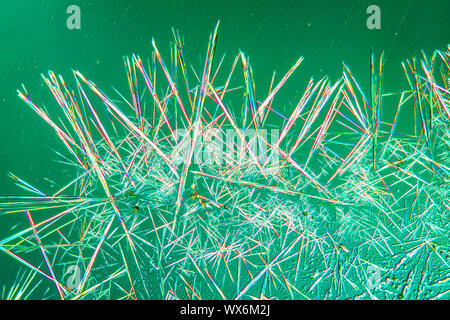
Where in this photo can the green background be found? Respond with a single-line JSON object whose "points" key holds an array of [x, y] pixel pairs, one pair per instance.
{"points": [[35, 39]]}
